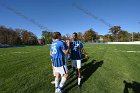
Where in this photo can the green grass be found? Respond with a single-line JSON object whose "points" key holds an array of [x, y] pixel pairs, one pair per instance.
{"points": [[28, 69]]}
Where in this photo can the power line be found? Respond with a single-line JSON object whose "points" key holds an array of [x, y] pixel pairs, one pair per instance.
{"points": [[15, 11], [92, 15]]}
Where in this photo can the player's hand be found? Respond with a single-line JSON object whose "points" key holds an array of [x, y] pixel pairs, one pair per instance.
{"points": [[68, 43]]}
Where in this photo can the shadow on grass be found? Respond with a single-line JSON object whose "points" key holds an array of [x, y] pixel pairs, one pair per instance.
{"points": [[84, 60], [86, 71], [69, 66], [134, 86], [69, 83], [89, 69]]}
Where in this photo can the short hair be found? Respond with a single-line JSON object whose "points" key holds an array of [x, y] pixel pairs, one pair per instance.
{"points": [[67, 38], [56, 35], [75, 34]]}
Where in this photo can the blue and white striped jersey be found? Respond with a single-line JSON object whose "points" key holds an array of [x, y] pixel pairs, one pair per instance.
{"points": [[76, 47], [57, 48]]}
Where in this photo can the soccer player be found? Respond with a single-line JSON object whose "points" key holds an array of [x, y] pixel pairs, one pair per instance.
{"points": [[66, 42], [58, 50], [65, 56], [76, 48]]}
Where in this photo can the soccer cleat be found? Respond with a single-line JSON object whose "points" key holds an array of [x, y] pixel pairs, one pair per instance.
{"points": [[53, 82], [79, 86], [56, 90], [59, 90]]}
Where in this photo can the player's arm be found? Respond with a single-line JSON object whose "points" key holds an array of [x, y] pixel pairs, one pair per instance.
{"points": [[66, 51], [50, 53], [82, 47], [83, 51]]}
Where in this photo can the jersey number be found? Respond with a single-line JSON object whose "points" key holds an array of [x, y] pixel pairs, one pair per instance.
{"points": [[54, 50]]}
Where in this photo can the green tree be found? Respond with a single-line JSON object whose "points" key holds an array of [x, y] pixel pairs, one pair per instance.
{"points": [[136, 36], [115, 31], [124, 36], [90, 35], [9, 36], [47, 37], [32, 39], [17, 36], [80, 36], [107, 38]]}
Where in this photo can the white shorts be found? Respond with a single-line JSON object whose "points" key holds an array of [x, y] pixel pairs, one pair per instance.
{"points": [[76, 63], [61, 70]]}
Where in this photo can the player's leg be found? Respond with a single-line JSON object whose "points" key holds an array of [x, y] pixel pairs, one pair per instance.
{"points": [[57, 82], [79, 72], [64, 74], [79, 77], [53, 82], [74, 66]]}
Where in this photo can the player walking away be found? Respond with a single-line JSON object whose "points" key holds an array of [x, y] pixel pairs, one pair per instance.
{"points": [[76, 47], [58, 51]]}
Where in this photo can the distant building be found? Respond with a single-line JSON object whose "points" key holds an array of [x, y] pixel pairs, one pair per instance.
{"points": [[101, 39], [40, 41]]}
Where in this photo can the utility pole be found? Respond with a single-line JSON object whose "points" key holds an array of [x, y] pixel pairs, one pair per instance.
{"points": [[92, 39], [132, 36]]}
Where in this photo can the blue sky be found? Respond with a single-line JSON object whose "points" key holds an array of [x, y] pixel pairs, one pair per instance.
{"points": [[62, 16]]}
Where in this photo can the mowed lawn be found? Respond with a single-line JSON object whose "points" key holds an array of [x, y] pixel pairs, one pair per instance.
{"points": [[28, 70]]}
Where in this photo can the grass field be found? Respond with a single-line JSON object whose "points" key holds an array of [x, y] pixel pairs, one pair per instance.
{"points": [[28, 70]]}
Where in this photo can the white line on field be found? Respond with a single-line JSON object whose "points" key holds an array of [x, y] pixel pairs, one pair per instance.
{"points": [[15, 53], [132, 51], [129, 51], [19, 52]]}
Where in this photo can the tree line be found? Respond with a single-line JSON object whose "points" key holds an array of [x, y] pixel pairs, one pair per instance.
{"points": [[116, 34], [24, 37], [17, 36]]}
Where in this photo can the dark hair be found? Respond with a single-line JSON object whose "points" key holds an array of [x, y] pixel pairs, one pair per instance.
{"points": [[75, 34], [56, 35], [67, 38]]}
